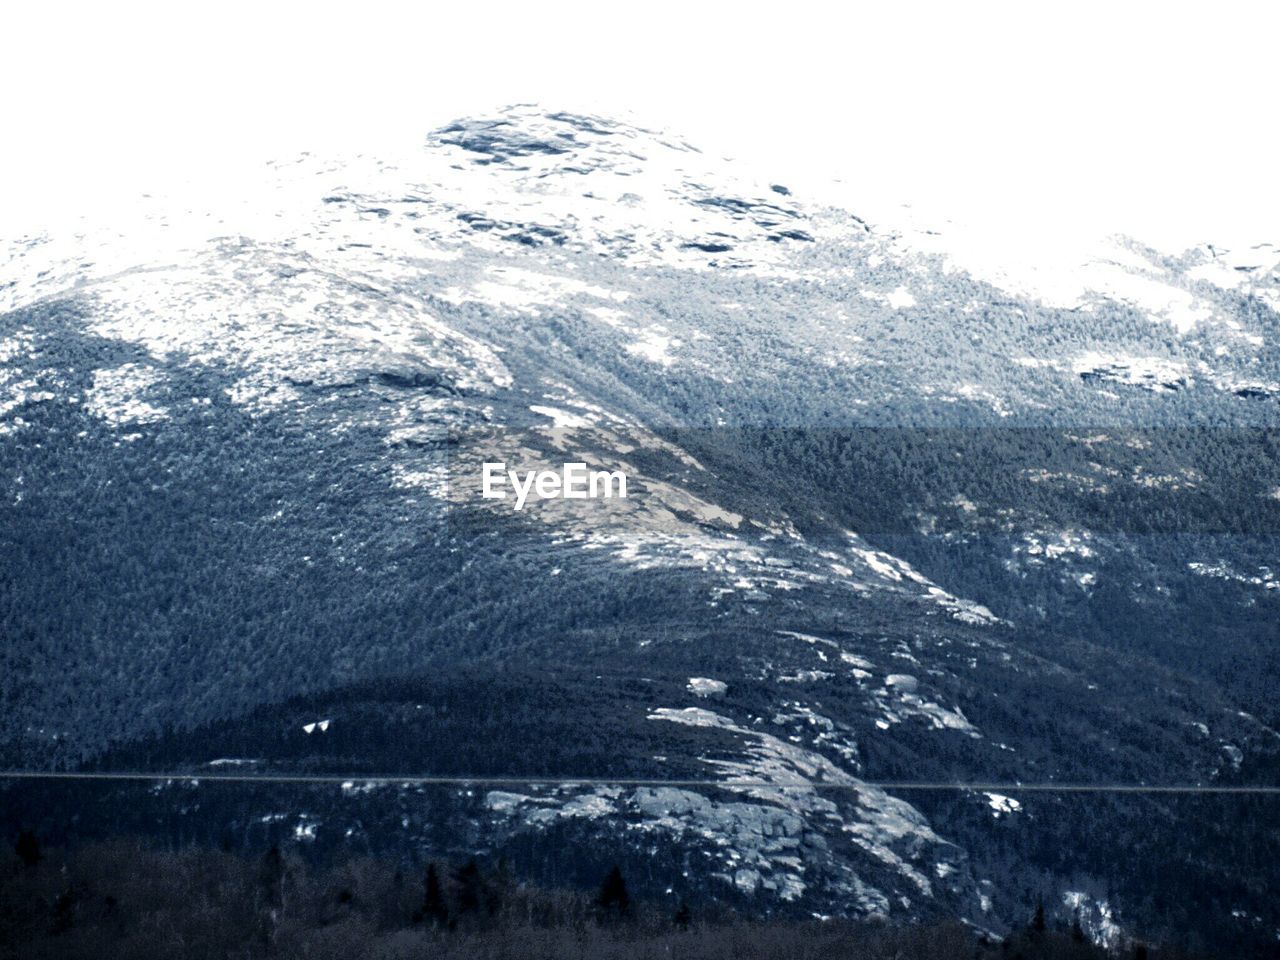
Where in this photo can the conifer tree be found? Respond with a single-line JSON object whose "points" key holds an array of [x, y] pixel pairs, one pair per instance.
{"points": [[614, 899], [27, 847], [434, 910], [683, 917], [271, 876], [470, 887], [271, 881]]}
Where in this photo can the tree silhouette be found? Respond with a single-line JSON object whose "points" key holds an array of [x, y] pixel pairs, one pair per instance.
{"points": [[434, 910], [470, 887], [1037, 922], [683, 917], [27, 847], [271, 874], [614, 899], [271, 881]]}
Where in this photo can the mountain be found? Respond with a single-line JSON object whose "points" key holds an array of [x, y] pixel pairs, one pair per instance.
{"points": [[889, 521]]}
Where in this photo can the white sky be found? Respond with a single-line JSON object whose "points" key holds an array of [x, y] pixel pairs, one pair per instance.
{"points": [[1157, 119]]}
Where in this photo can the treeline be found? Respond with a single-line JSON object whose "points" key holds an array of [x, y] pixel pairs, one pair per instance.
{"points": [[124, 899]]}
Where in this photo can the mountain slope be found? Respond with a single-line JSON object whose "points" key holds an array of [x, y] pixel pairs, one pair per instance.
{"points": [[888, 522]]}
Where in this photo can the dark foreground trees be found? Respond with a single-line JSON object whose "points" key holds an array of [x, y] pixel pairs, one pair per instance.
{"points": [[614, 901], [434, 909], [123, 899]]}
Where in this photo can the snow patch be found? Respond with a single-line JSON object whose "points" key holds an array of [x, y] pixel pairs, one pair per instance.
{"points": [[116, 395], [707, 687]]}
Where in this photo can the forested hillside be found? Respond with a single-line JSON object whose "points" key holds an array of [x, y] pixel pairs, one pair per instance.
{"points": [[890, 523]]}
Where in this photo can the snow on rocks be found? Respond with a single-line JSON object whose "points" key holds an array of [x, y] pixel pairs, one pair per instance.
{"points": [[771, 770], [707, 687], [1001, 805]]}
